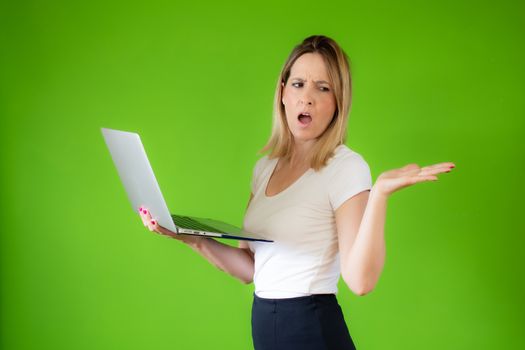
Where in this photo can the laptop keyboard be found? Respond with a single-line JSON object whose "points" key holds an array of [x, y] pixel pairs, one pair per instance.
{"points": [[189, 223]]}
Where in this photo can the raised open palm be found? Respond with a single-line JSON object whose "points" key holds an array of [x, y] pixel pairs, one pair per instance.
{"points": [[396, 179]]}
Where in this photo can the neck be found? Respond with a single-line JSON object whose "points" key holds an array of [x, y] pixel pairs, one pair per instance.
{"points": [[301, 152]]}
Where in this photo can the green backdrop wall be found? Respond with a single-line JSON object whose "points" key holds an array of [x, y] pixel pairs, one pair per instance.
{"points": [[433, 82]]}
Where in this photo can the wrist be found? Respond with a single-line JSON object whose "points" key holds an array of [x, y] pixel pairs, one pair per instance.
{"points": [[378, 193]]}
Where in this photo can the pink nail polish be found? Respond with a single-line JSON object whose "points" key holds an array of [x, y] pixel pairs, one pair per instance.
{"points": [[153, 222], [145, 211], [140, 209]]}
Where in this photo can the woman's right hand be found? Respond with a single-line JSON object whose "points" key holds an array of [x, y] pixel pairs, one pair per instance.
{"points": [[154, 226]]}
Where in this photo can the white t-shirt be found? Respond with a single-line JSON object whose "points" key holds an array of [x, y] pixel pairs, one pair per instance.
{"points": [[304, 257]]}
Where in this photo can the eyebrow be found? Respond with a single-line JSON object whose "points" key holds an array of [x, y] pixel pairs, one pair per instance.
{"points": [[317, 81]]}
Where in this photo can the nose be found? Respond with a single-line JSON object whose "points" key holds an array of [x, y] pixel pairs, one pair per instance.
{"points": [[306, 98]]}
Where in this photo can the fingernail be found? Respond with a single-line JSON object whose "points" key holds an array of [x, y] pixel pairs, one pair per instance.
{"points": [[140, 209], [153, 222], [145, 211]]}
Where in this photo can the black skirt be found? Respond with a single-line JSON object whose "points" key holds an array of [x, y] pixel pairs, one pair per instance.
{"points": [[312, 322]]}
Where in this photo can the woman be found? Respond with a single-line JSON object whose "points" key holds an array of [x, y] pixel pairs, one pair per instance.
{"points": [[314, 197]]}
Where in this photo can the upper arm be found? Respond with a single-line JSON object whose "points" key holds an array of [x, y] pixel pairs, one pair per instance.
{"points": [[244, 244], [349, 189], [348, 219]]}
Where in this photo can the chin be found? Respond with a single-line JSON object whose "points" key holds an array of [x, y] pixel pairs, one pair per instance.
{"points": [[304, 137]]}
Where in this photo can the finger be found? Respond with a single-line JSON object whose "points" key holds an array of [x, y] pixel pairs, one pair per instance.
{"points": [[146, 216], [165, 232], [143, 211], [447, 165], [434, 171], [417, 179], [411, 171], [159, 229], [411, 166], [431, 169], [153, 225]]}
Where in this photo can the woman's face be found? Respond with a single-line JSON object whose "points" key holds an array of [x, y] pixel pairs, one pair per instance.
{"points": [[308, 98]]}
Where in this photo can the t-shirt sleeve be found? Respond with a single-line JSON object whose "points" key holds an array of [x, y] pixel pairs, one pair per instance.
{"points": [[351, 176], [256, 175]]}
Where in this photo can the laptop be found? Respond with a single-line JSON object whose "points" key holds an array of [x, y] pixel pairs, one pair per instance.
{"points": [[141, 186]]}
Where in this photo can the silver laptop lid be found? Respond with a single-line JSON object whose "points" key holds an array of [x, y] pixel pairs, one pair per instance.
{"points": [[137, 175]]}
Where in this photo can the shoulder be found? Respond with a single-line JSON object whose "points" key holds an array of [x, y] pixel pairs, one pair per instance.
{"points": [[346, 158], [348, 174], [261, 164], [261, 168]]}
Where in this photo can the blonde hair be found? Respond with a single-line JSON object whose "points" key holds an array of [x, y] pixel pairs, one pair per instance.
{"points": [[280, 143]]}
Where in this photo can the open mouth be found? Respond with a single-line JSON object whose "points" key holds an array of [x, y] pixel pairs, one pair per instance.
{"points": [[304, 118]]}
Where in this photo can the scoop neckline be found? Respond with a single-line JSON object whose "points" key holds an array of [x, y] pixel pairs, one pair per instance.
{"points": [[299, 179]]}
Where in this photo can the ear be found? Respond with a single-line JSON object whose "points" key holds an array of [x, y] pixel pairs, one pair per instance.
{"points": [[282, 92]]}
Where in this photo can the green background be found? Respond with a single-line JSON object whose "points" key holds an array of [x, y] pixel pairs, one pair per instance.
{"points": [[433, 82]]}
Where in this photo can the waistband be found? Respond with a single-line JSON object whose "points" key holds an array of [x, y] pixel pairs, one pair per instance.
{"points": [[297, 301]]}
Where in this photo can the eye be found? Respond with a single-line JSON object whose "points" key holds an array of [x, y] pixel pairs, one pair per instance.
{"points": [[295, 84], [324, 88]]}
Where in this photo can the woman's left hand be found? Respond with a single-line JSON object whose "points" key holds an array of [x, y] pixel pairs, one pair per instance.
{"points": [[396, 179]]}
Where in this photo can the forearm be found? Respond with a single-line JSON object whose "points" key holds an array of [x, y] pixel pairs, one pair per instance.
{"points": [[237, 262], [367, 256]]}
